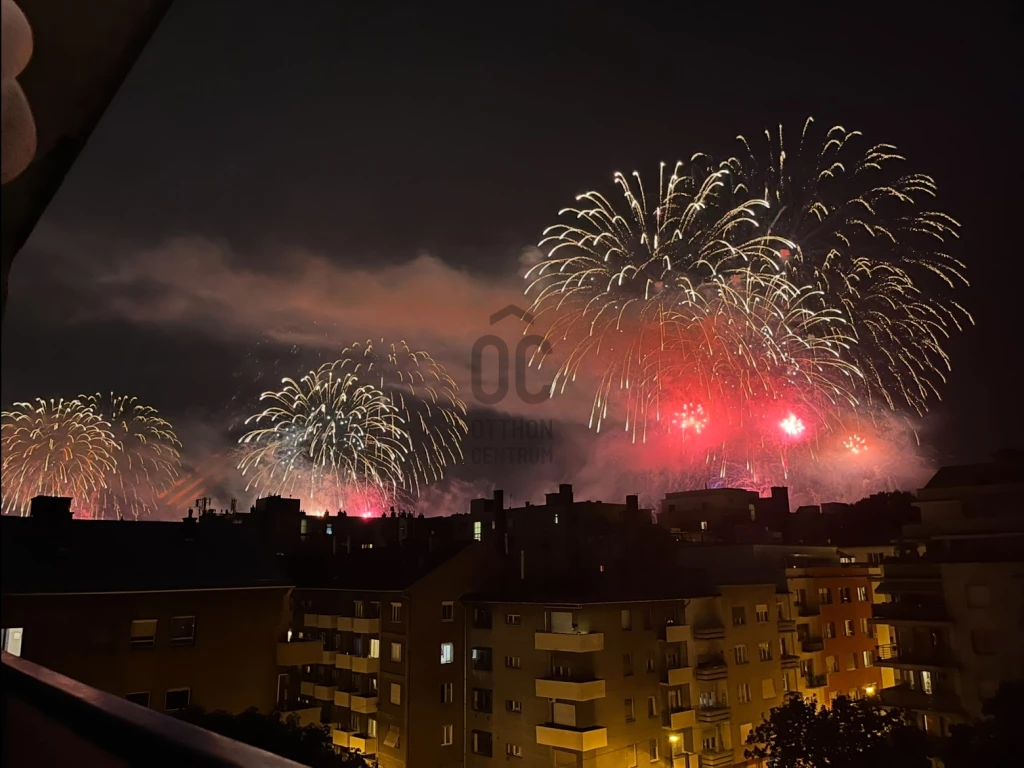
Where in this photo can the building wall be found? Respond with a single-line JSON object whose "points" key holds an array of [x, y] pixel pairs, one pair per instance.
{"points": [[232, 664]]}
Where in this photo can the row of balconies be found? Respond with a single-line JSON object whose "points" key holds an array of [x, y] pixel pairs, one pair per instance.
{"points": [[363, 703], [300, 653], [342, 623], [892, 656], [354, 741]]}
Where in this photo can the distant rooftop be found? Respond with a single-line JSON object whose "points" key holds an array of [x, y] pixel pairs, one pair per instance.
{"points": [[1007, 469]]}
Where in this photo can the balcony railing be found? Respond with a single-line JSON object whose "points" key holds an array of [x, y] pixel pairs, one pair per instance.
{"points": [[709, 632], [678, 720], [811, 644], [571, 738], [892, 656], [787, 625], [300, 653], [789, 661], [49, 719], [816, 681], [905, 698], [716, 714], [678, 676], [571, 642], [570, 689], [678, 633], [910, 612], [808, 610], [715, 759], [713, 668]]}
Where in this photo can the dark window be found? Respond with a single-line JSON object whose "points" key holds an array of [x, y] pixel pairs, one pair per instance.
{"points": [[178, 699], [481, 659], [482, 743], [183, 631], [481, 618], [482, 700]]}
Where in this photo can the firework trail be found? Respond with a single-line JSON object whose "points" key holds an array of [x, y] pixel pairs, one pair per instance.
{"points": [[147, 456], [780, 299], [425, 399], [328, 439], [54, 448]]}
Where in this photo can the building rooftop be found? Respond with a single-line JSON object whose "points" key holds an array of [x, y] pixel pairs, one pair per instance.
{"points": [[1008, 469]]}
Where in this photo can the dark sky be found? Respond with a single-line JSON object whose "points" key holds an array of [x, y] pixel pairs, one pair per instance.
{"points": [[369, 136]]}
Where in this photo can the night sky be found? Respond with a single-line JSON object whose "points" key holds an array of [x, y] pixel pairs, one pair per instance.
{"points": [[273, 182]]}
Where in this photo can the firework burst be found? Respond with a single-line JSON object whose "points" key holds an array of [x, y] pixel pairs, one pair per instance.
{"points": [[425, 400], [327, 438], [54, 448], [146, 456]]}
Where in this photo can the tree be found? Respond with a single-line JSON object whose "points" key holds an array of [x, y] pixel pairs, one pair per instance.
{"points": [[310, 745], [849, 734], [994, 739]]}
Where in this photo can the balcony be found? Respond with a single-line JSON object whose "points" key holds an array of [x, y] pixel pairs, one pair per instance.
{"points": [[718, 714], [678, 676], [678, 633], [712, 669], [904, 698], [340, 737], [299, 653], [572, 739], [324, 692], [343, 623], [677, 721], [808, 611], [360, 742], [341, 698], [326, 621], [366, 626], [365, 665], [787, 625], [811, 644], [343, 661], [815, 681], [709, 632], [311, 620], [569, 642], [891, 656], [306, 688], [569, 690], [49, 719], [790, 662], [327, 657], [305, 715], [715, 759], [362, 703], [910, 613]]}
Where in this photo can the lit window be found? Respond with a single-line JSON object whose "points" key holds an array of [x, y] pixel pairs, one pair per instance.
{"points": [[513, 619], [513, 662], [183, 630], [144, 633], [761, 610], [142, 699], [513, 750], [303, 527], [511, 705], [477, 530], [848, 628], [743, 693], [447, 653], [330, 529], [869, 659], [374, 648], [396, 612], [448, 611], [739, 615], [12, 640], [395, 695], [828, 629], [825, 596], [926, 682], [447, 735], [764, 651], [740, 654], [556, 518], [396, 652], [178, 698], [703, 525], [862, 594]]}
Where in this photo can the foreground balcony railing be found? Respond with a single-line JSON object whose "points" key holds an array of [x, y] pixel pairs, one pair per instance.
{"points": [[49, 719]]}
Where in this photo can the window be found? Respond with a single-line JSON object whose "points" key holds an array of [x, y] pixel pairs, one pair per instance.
{"points": [[183, 631], [868, 659], [768, 688], [481, 658], [865, 628], [745, 729], [482, 618], [650, 665], [447, 693], [12, 640], [652, 750], [801, 597], [177, 698], [710, 742], [627, 664], [848, 628], [764, 651], [675, 700], [862, 594], [513, 619], [482, 700], [761, 611], [844, 595], [743, 693], [627, 620], [831, 664], [852, 663], [513, 662], [395, 693], [630, 714], [983, 641], [511, 705], [142, 699], [447, 653], [740, 654], [672, 659], [447, 735], [359, 609], [396, 612], [926, 682], [396, 652], [828, 629], [825, 596], [739, 615], [513, 750], [481, 743], [144, 633], [630, 752], [978, 596], [652, 706], [703, 525], [374, 647], [478, 530], [393, 737], [447, 611], [786, 684]]}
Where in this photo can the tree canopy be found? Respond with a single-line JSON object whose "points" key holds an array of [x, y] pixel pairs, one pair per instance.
{"points": [[994, 739], [310, 745], [849, 734]]}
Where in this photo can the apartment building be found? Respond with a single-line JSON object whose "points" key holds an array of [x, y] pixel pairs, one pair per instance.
{"points": [[388, 651], [956, 595], [150, 612]]}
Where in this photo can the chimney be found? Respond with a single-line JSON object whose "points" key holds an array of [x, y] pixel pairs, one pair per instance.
{"points": [[565, 493], [499, 500], [632, 503]]}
